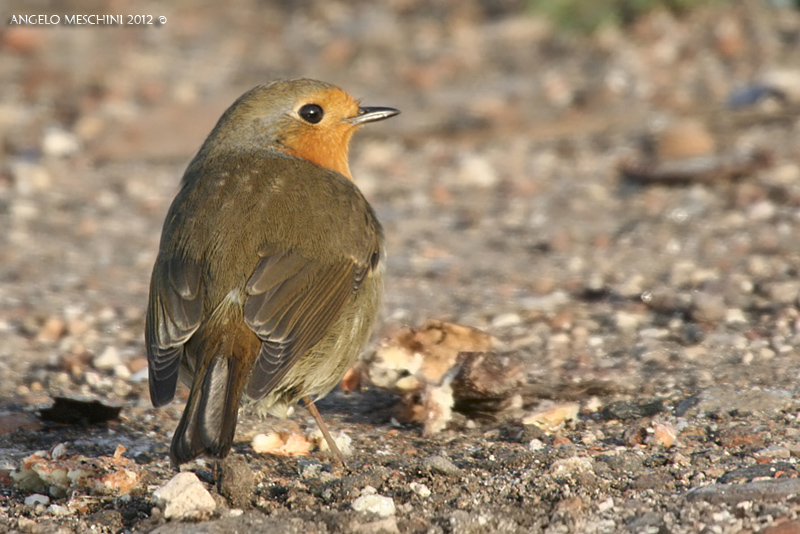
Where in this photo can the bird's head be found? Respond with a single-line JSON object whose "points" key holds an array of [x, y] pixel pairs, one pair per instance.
{"points": [[304, 118]]}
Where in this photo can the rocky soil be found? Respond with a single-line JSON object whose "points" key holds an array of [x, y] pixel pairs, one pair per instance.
{"points": [[622, 211]]}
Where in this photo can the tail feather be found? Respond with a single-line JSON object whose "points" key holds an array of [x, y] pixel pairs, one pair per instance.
{"points": [[209, 420]]}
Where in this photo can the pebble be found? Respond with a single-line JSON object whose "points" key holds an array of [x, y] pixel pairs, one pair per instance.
{"points": [[30, 178], [77, 327], [794, 449], [785, 292], [376, 504], [573, 465], [664, 434], [684, 139], [775, 451], [763, 210], [506, 320], [108, 359], [771, 470], [785, 174], [420, 489], [627, 322], [58, 452], [58, 509], [725, 398], [475, 170], [37, 498], [785, 81], [52, 329], [95, 380], [441, 465], [708, 308], [59, 143], [536, 445], [386, 525], [342, 440], [627, 410], [778, 489], [735, 316], [121, 371], [184, 497], [606, 505], [545, 303]]}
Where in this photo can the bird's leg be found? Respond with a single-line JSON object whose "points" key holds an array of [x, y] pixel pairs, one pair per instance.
{"points": [[338, 456]]}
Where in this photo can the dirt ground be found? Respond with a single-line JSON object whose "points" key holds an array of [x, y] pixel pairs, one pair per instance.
{"points": [[621, 210]]}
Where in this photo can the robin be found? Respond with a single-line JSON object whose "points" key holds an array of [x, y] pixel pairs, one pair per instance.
{"points": [[270, 271]]}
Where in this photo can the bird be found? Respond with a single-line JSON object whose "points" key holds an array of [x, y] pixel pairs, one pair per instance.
{"points": [[269, 273]]}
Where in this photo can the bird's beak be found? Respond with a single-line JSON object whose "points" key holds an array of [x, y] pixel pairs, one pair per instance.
{"points": [[366, 115]]}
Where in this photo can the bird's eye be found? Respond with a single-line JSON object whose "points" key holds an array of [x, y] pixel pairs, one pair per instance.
{"points": [[311, 113]]}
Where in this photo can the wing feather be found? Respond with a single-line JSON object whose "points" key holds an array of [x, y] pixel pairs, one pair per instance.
{"points": [[174, 313]]}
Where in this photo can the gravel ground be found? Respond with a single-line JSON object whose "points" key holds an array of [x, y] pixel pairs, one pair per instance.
{"points": [[621, 211]]}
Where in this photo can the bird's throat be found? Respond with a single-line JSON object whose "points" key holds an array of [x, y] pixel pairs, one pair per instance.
{"points": [[327, 148]]}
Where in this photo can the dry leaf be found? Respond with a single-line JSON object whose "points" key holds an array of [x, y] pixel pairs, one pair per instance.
{"points": [[413, 358], [488, 375], [57, 473]]}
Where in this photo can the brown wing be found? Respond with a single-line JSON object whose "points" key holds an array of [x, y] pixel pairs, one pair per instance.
{"points": [[173, 315], [292, 302]]}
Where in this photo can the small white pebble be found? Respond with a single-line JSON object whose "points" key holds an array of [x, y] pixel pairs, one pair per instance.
{"points": [[184, 497], [606, 505], [37, 498], [59, 143], [108, 359], [93, 379], [375, 504], [593, 404], [58, 509], [58, 452], [505, 320], [420, 489], [121, 371], [734, 315], [536, 445]]}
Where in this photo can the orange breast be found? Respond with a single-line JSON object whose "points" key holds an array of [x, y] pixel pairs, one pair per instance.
{"points": [[327, 147]]}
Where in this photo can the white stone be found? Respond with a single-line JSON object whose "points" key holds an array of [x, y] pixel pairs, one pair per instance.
{"points": [[476, 170], [536, 445], [108, 359], [184, 497], [121, 371], [59, 143], [762, 210], [376, 504], [58, 509], [572, 465], [420, 489], [606, 505], [37, 498], [505, 320]]}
